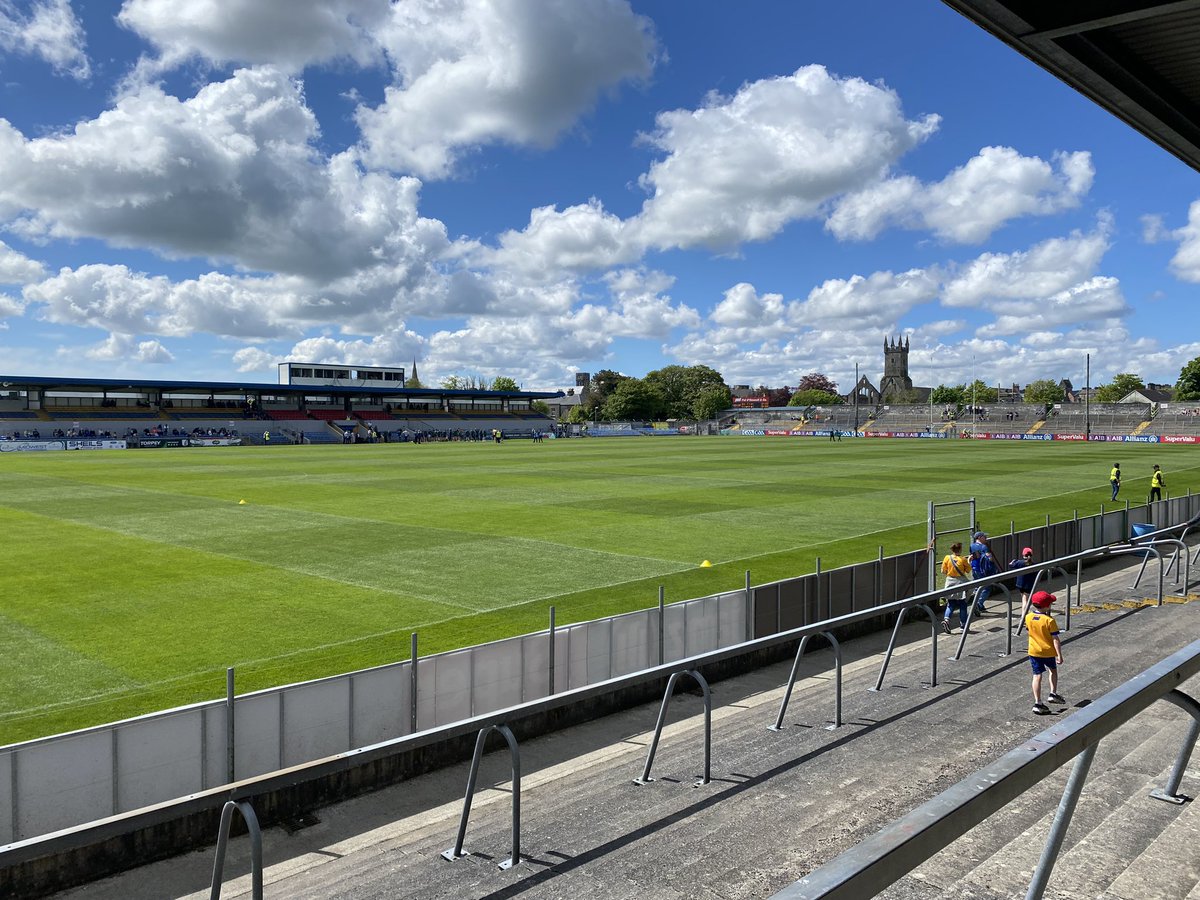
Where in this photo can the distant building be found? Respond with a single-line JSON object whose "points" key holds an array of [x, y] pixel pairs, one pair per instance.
{"points": [[895, 382]]}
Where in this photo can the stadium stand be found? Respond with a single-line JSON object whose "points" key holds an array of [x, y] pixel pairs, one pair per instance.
{"points": [[900, 418], [1175, 419], [1104, 418], [286, 415]]}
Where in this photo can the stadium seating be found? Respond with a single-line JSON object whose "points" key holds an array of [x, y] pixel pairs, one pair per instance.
{"points": [[285, 415]]}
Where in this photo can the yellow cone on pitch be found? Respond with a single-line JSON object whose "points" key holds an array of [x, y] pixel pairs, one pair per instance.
{"points": [[706, 565], [241, 503]]}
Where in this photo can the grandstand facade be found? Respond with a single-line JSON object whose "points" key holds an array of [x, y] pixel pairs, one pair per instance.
{"points": [[307, 410]]}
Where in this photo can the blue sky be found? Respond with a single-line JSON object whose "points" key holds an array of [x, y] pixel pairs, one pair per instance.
{"points": [[204, 188]]}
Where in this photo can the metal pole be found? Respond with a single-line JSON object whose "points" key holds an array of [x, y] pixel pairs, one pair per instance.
{"points": [[552, 636], [412, 681], [229, 725], [1062, 819], [662, 627]]}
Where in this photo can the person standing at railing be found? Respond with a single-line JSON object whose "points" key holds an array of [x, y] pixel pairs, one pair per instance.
{"points": [[1114, 478], [957, 569], [983, 564], [1045, 650], [1157, 482], [1024, 581]]}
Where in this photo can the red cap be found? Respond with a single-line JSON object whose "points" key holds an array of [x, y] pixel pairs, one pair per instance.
{"points": [[1028, 550], [1042, 598]]}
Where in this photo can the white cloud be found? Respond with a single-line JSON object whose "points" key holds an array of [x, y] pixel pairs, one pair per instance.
{"points": [[1096, 300], [125, 348], [872, 302], [473, 72], [10, 307], [255, 359], [740, 168], [1185, 264], [289, 33], [230, 174], [577, 239], [994, 279], [17, 268], [49, 31], [995, 186]]}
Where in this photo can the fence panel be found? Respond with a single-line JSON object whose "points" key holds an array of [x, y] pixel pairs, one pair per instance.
{"points": [[731, 608], [497, 675], [6, 799], [64, 782], [451, 687], [837, 593], [535, 665], [216, 744], [675, 636], [577, 656], [381, 703], [703, 625], [766, 610], [599, 651], [256, 732], [631, 650], [865, 577], [793, 603], [316, 720], [159, 759]]}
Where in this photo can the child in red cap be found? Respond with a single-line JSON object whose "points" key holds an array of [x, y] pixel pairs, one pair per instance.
{"points": [[1045, 649]]}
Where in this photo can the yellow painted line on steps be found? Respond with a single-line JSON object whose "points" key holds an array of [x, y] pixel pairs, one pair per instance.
{"points": [[1113, 606], [1142, 427], [1036, 427]]}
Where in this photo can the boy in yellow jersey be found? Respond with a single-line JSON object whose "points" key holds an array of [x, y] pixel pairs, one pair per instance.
{"points": [[1045, 649]]}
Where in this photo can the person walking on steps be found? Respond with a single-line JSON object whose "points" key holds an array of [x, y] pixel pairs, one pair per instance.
{"points": [[1157, 483], [1114, 478], [1045, 650], [957, 569], [983, 564]]}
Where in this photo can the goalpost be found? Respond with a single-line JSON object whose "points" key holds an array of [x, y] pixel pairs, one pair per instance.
{"points": [[948, 520]]}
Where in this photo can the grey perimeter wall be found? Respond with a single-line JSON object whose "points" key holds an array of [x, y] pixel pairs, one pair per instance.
{"points": [[67, 780]]}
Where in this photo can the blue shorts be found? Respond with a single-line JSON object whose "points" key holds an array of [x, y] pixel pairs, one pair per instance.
{"points": [[1041, 663]]}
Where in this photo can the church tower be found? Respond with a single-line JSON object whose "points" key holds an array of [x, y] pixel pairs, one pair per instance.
{"points": [[895, 379]]}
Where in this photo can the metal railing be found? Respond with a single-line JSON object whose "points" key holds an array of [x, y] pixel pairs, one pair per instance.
{"points": [[884, 858]]}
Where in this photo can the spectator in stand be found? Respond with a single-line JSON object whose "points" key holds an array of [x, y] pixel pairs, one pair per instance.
{"points": [[1045, 650]]}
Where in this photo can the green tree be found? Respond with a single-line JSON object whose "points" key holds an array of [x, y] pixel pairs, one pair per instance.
{"points": [[814, 398], [1044, 391], [944, 395], [453, 383], [711, 401], [1188, 385], [413, 382], [978, 393], [635, 399], [681, 385], [540, 406], [504, 383], [604, 383], [817, 381], [1121, 385], [579, 415]]}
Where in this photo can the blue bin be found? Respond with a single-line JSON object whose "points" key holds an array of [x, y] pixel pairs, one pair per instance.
{"points": [[1139, 529]]}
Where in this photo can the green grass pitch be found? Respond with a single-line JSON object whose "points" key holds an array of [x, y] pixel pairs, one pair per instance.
{"points": [[134, 578]]}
